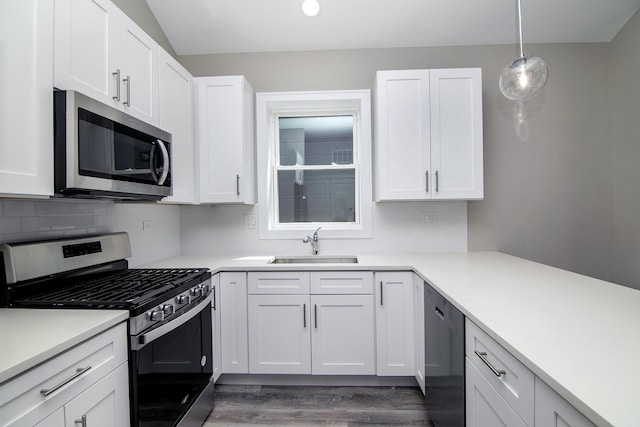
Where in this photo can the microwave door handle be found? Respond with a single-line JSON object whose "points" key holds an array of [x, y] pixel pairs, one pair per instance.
{"points": [[165, 163], [152, 161]]}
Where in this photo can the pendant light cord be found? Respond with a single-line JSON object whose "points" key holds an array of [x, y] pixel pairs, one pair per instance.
{"points": [[519, 13]]}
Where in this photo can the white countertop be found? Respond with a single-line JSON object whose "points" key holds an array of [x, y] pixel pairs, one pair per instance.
{"points": [[32, 336], [578, 334]]}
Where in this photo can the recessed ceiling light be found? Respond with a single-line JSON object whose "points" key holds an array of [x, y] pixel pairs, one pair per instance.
{"points": [[310, 7]]}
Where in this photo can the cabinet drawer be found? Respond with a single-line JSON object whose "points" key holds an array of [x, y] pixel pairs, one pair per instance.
{"points": [[342, 282], [22, 395], [278, 282], [485, 407], [515, 383]]}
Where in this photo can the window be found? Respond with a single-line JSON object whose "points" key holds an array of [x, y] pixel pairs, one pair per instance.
{"points": [[314, 163]]}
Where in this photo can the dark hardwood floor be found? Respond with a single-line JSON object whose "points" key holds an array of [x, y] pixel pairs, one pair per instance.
{"points": [[310, 406]]}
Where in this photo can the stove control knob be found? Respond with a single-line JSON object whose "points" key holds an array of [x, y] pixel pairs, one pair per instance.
{"points": [[168, 309], [184, 299], [197, 291], [156, 316], [205, 288]]}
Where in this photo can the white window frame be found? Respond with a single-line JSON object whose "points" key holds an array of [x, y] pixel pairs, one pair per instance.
{"points": [[272, 105]]}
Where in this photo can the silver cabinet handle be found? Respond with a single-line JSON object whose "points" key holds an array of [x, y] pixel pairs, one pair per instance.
{"points": [[426, 175], [437, 182], [116, 74], [128, 81], [214, 298], [237, 185], [315, 314], [381, 294], [304, 316], [483, 356], [82, 421], [49, 391]]}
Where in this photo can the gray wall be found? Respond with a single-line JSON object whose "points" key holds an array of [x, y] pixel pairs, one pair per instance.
{"points": [[548, 184], [625, 113]]}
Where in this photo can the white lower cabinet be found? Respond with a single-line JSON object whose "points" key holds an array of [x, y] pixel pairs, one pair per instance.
{"points": [[553, 411], [102, 404], [88, 385], [485, 406], [500, 390], [294, 331], [233, 323], [395, 347], [279, 334], [418, 322], [216, 327], [343, 335]]}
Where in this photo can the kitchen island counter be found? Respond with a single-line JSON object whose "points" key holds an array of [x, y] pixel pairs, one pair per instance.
{"points": [[32, 336], [578, 334]]}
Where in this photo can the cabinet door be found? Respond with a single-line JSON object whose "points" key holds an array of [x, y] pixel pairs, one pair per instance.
{"points": [[105, 403], [394, 324], [279, 334], [215, 330], [402, 135], [553, 411], [456, 133], [26, 122], [225, 140], [84, 59], [342, 339], [418, 321], [484, 406], [54, 420], [137, 56], [175, 95], [233, 318]]}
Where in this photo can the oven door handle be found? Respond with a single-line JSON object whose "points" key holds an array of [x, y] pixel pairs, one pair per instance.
{"points": [[140, 341]]}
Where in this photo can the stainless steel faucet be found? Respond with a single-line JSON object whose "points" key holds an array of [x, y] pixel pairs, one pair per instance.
{"points": [[313, 240]]}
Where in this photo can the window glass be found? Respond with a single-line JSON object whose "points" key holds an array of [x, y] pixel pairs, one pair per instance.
{"points": [[316, 176], [316, 140]]}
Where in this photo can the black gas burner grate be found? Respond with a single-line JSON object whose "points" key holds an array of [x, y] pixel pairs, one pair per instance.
{"points": [[127, 289]]}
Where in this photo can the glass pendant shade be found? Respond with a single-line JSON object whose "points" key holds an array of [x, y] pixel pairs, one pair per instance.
{"points": [[524, 78]]}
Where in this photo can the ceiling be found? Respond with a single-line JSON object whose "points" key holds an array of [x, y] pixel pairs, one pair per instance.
{"points": [[231, 26]]}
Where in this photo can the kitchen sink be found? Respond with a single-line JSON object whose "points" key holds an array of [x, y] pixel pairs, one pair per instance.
{"points": [[315, 259]]}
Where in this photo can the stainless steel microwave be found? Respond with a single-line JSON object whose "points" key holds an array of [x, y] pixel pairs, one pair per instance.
{"points": [[102, 152]]}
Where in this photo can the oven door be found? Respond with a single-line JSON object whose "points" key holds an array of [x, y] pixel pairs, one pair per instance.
{"points": [[171, 370]]}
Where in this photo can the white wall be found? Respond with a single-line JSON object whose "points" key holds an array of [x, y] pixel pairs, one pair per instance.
{"points": [[22, 220], [397, 227]]}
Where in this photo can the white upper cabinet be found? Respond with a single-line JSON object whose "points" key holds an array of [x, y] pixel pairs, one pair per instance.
{"points": [[225, 140], [176, 117], [102, 53], [26, 119], [428, 142]]}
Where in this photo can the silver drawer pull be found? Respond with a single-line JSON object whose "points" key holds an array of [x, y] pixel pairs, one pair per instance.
{"points": [[483, 357], [82, 421], [79, 371]]}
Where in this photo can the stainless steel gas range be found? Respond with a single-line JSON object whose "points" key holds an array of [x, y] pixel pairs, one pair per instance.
{"points": [[170, 344]]}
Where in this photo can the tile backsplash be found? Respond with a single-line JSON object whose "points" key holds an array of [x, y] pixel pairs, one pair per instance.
{"points": [[154, 230]]}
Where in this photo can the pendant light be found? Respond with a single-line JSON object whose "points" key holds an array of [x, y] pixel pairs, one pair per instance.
{"points": [[525, 77], [310, 7]]}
